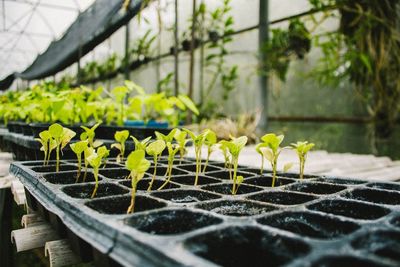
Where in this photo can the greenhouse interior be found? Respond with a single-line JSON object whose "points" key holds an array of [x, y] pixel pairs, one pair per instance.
{"points": [[200, 133]]}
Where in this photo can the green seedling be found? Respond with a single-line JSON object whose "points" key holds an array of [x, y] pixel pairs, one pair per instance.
{"points": [[48, 144], [62, 136], [198, 141], [137, 164], [89, 134], [141, 145], [103, 152], [302, 149], [95, 160], [120, 93], [86, 154], [271, 152], [227, 157], [235, 146], [180, 138], [210, 142], [260, 150], [167, 138], [172, 150], [155, 149], [78, 148], [120, 137]]}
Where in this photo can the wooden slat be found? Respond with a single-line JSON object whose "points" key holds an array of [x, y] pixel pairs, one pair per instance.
{"points": [[32, 219], [60, 253], [33, 237]]}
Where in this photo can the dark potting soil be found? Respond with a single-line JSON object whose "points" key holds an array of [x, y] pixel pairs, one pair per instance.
{"points": [[186, 225]]}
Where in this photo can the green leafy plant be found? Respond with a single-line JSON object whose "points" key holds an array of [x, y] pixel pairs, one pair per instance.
{"points": [[137, 164], [227, 157], [78, 148], [48, 144], [120, 93], [167, 138], [271, 152], [198, 141], [210, 142], [180, 138], [235, 146], [172, 150], [95, 160], [141, 145], [155, 149], [260, 150], [302, 149], [89, 135], [62, 136], [120, 137], [86, 154]]}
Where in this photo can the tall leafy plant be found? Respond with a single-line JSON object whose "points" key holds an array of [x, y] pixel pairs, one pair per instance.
{"points": [[62, 136]]}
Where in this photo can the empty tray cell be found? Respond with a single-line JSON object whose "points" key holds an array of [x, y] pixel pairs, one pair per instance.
{"points": [[185, 196], [86, 190], [246, 246], [144, 184], [161, 171], [374, 196], [384, 244], [120, 204], [68, 177], [256, 171], [192, 168], [282, 198], [189, 180], [266, 181], [115, 173], [350, 209], [387, 186], [52, 168], [226, 189], [236, 208], [310, 224], [172, 222], [225, 174], [315, 188], [345, 261], [296, 175], [340, 181]]}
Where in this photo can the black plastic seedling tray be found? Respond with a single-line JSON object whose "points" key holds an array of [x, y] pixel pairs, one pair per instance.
{"points": [[320, 221]]}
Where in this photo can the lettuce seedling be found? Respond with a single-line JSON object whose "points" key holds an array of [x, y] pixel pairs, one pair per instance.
{"points": [[180, 138], [120, 137], [167, 138], [141, 145], [137, 164], [198, 141], [78, 149], [95, 160], [172, 150], [120, 94], [227, 157], [210, 141], [155, 149], [61, 136], [47, 142], [302, 149], [272, 151], [260, 150], [89, 135], [86, 154], [235, 146]]}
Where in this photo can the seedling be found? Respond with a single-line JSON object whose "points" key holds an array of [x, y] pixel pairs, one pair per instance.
{"points": [[120, 137], [180, 138], [225, 152], [78, 149], [86, 154], [137, 164], [48, 145], [198, 141], [155, 149], [167, 138], [120, 94], [89, 135], [95, 160], [260, 150], [141, 145], [61, 136], [271, 152], [172, 150], [210, 141], [235, 146], [302, 149]]}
